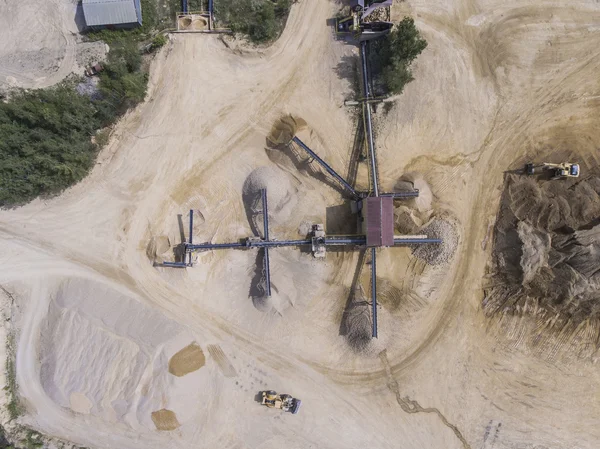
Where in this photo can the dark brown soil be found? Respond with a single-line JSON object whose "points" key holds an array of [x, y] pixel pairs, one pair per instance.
{"points": [[547, 248]]}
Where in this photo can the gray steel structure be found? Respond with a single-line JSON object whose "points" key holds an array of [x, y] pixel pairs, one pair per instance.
{"points": [[112, 13], [359, 241]]}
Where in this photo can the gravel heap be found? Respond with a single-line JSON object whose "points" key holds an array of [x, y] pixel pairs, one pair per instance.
{"points": [[438, 253]]}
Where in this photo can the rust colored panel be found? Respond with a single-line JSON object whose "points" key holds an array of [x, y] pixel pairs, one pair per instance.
{"points": [[373, 221], [387, 221]]}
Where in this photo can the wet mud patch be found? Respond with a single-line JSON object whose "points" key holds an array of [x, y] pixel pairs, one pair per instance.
{"points": [[165, 420], [189, 359]]}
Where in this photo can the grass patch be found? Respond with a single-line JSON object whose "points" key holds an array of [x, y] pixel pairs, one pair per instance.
{"points": [[260, 20], [15, 409], [32, 440]]}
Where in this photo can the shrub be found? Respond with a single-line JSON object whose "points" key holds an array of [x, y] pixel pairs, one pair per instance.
{"points": [[260, 20], [159, 41], [393, 55], [45, 142]]}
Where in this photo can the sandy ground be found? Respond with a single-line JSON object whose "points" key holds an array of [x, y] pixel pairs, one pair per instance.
{"points": [[500, 82], [40, 43]]}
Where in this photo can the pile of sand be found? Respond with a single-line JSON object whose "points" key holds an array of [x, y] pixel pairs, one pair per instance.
{"points": [[281, 196], [547, 247], [192, 22], [157, 246], [165, 420], [105, 354], [284, 129], [189, 359], [357, 324], [406, 220], [423, 202]]}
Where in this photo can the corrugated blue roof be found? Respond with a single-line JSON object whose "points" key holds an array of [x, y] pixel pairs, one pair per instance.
{"points": [[111, 12]]}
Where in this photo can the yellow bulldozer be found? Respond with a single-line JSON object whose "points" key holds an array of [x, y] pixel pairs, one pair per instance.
{"points": [[284, 402]]}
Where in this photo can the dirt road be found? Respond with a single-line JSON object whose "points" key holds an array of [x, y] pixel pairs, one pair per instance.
{"points": [[40, 43], [98, 324]]}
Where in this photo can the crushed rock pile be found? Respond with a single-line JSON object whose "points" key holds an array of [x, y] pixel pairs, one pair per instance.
{"points": [[439, 253], [547, 248]]}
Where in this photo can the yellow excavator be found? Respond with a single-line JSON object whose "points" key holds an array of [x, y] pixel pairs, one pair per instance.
{"points": [[283, 402], [564, 170]]}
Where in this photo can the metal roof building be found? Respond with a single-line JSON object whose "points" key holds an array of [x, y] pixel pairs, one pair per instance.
{"points": [[112, 13], [378, 215]]}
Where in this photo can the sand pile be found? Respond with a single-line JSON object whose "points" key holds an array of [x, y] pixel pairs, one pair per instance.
{"points": [[357, 324], [189, 359], [416, 181], [547, 248], [165, 420], [439, 253], [281, 197], [407, 221], [284, 129], [157, 246], [103, 353]]}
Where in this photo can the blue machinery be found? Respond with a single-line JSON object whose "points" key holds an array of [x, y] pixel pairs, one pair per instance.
{"points": [[265, 242]]}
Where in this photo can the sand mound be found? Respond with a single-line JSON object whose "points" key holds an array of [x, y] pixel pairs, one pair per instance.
{"points": [[263, 303], [547, 248], [80, 403], [157, 246], [536, 248], [104, 353], [552, 205], [284, 129], [165, 420], [423, 202], [406, 221], [189, 359], [358, 326], [280, 196], [439, 253]]}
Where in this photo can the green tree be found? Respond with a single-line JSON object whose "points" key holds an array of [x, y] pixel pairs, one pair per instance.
{"points": [[394, 54]]}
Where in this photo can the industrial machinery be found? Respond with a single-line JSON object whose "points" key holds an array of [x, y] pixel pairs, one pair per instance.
{"points": [[284, 402], [358, 25], [374, 208], [564, 170]]}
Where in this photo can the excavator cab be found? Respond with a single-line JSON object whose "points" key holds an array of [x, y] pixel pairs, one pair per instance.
{"points": [[574, 170]]}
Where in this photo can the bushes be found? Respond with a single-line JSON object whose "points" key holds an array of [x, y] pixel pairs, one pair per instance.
{"points": [[46, 135], [260, 20], [393, 55], [45, 142], [159, 41]]}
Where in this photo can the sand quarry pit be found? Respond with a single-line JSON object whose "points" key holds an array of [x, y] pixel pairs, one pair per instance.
{"points": [[96, 324]]}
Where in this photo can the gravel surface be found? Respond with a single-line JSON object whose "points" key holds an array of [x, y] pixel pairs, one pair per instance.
{"points": [[439, 253]]}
